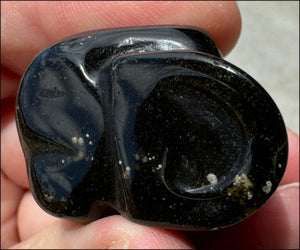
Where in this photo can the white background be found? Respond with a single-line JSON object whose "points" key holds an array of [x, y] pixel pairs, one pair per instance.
{"points": [[268, 50]]}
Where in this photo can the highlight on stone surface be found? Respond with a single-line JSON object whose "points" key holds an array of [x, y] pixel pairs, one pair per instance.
{"points": [[151, 123]]}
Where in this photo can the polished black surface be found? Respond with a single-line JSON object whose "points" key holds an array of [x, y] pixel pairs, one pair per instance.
{"points": [[152, 123]]}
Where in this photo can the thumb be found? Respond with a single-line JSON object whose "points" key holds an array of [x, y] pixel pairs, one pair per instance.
{"points": [[111, 232]]}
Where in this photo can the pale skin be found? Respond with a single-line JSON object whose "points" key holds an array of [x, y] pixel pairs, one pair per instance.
{"points": [[28, 28]]}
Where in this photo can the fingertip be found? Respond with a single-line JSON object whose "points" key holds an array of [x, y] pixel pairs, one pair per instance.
{"points": [[49, 22], [227, 26], [289, 193], [221, 19], [113, 232], [118, 232], [292, 170], [31, 218], [277, 223], [12, 158], [156, 238]]}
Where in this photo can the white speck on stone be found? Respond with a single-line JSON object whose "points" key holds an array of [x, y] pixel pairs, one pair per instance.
{"points": [[74, 140], [212, 178], [242, 180], [87, 135], [126, 173], [80, 141], [153, 157], [150, 158], [159, 166], [266, 189], [89, 36], [120, 162], [249, 195], [279, 165], [81, 43], [237, 179], [90, 142], [62, 161], [79, 156], [92, 158], [64, 77]]}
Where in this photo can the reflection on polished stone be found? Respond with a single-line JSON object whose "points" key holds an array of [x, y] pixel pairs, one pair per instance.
{"points": [[151, 123]]}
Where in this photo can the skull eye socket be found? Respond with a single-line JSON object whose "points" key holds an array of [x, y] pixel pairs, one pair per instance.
{"points": [[199, 139]]}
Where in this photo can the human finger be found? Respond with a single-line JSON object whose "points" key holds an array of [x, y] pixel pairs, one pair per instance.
{"points": [[292, 170], [31, 218], [12, 158], [111, 232], [29, 27], [10, 198]]}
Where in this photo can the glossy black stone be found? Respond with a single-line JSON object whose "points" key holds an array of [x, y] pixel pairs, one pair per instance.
{"points": [[152, 123]]}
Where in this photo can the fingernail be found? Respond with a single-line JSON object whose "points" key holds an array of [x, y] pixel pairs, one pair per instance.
{"points": [[120, 244]]}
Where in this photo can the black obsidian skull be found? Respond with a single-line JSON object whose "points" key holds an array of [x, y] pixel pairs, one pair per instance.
{"points": [[152, 123]]}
